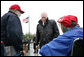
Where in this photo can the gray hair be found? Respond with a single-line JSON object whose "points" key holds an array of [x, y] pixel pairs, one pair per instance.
{"points": [[44, 15], [12, 10]]}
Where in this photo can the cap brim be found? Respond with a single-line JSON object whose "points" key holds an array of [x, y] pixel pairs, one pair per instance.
{"points": [[22, 11]]}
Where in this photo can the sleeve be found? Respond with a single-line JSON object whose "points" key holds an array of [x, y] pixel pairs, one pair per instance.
{"points": [[37, 36], [55, 30], [44, 51]]}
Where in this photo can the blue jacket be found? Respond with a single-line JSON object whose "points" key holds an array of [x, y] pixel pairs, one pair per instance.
{"points": [[11, 30], [62, 45]]}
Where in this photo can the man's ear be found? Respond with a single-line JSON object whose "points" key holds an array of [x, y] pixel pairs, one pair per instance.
{"points": [[15, 10], [63, 28], [73, 22]]}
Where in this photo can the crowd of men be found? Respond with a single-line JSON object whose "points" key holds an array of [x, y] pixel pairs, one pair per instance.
{"points": [[47, 37]]}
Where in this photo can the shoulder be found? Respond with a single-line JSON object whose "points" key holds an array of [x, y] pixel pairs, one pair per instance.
{"points": [[38, 25], [11, 14], [13, 17], [44, 50], [52, 21], [5, 16]]}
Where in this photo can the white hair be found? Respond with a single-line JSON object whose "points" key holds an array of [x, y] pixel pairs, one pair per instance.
{"points": [[44, 14]]}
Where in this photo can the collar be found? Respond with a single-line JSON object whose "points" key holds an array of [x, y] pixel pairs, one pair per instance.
{"points": [[13, 13]]}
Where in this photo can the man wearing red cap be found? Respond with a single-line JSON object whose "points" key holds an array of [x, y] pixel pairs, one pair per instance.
{"points": [[62, 45], [11, 29]]}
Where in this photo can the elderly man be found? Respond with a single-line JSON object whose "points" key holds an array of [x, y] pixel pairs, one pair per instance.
{"points": [[11, 30], [46, 30], [62, 45]]}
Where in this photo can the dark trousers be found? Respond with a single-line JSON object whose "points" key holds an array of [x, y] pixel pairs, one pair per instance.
{"points": [[28, 46], [2, 50], [35, 50], [34, 46]]}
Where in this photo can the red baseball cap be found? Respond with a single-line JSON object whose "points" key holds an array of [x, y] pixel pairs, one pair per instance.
{"points": [[67, 20], [17, 7]]}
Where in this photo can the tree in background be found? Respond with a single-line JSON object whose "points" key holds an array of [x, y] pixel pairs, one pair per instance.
{"points": [[26, 36]]}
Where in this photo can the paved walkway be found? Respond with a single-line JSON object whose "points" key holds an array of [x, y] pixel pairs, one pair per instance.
{"points": [[31, 51]]}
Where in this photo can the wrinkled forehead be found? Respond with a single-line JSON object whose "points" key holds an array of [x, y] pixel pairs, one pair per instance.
{"points": [[44, 15]]}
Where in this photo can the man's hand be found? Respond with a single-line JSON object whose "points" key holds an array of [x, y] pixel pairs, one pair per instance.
{"points": [[24, 52], [37, 47], [34, 42]]}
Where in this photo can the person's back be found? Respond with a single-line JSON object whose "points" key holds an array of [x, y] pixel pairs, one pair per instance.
{"points": [[11, 30], [62, 45]]}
